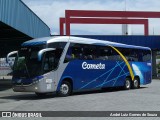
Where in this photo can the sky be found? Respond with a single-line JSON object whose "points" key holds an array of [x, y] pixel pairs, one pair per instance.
{"points": [[51, 10]]}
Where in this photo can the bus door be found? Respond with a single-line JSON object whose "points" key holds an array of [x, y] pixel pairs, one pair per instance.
{"points": [[50, 65]]}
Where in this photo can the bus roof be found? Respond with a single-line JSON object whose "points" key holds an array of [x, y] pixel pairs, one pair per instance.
{"points": [[45, 40]]}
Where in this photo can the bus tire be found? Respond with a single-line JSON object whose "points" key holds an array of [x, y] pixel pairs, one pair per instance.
{"points": [[127, 84], [65, 89], [135, 84]]}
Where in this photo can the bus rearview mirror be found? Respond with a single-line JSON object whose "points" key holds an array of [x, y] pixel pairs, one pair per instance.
{"points": [[41, 52], [8, 56]]}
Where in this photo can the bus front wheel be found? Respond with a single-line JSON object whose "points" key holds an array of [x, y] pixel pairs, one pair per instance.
{"points": [[65, 89], [127, 84]]}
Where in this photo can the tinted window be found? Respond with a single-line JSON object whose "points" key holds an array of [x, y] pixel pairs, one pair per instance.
{"points": [[107, 53], [51, 60], [26, 63], [91, 52], [81, 52], [136, 54], [146, 55], [96, 52], [60, 45]]}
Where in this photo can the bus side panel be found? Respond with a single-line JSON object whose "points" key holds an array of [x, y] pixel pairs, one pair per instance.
{"points": [[113, 74], [143, 70]]}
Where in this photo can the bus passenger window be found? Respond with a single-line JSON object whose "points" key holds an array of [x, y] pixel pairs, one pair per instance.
{"points": [[146, 55], [71, 53], [51, 61], [80, 52], [46, 64], [89, 52]]}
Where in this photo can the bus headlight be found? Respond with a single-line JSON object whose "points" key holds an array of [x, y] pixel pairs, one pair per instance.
{"points": [[48, 81]]}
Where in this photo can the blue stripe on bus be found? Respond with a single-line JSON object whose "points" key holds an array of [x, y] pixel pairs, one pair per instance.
{"points": [[34, 43]]}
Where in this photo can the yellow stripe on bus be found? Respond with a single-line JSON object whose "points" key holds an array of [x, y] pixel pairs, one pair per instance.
{"points": [[126, 61]]}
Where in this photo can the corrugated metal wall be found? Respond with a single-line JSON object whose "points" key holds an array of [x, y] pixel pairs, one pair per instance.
{"points": [[17, 15], [148, 41]]}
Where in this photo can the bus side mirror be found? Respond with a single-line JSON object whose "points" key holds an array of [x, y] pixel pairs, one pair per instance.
{"points": [[41, 52], [8, 56]]}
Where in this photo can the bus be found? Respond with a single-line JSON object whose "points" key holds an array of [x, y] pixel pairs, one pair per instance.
{"points": [[5, 70], [66, 64]]}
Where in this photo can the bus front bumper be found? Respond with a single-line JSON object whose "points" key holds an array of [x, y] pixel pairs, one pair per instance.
{"points": [[40, 87]]}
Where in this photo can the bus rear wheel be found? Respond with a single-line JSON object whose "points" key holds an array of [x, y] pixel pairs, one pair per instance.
{"points": [[135, 84], [65, 89], [127, 84]]}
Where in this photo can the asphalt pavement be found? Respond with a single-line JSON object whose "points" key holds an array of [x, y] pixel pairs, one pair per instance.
{"points": [[146, 98]]}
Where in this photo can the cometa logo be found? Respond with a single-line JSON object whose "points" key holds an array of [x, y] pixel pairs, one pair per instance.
{"points": [[85, 65]]}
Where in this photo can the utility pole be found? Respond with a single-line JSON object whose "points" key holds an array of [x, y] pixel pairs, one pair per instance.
{"points": [[125, 26]]}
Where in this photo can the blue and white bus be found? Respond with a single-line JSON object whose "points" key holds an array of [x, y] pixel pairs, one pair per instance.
{"points": [[66, 64]]}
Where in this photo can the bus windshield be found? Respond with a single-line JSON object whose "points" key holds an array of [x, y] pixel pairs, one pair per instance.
{"points": [[26, 63]]}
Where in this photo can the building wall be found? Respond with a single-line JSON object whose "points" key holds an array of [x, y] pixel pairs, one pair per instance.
{"points": [[17, 15], [152, 42]]}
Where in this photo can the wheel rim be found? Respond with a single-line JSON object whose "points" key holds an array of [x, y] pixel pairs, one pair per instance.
{"points": [[64, 89], [135, 83], [127, 84]]}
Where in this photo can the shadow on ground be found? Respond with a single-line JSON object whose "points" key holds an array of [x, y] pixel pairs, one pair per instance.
{"points": [[107, 90], [5, 87], [31, 96], [5, 84]]}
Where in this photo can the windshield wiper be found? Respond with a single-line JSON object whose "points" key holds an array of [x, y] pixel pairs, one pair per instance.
{"points": [[27, 70]]}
